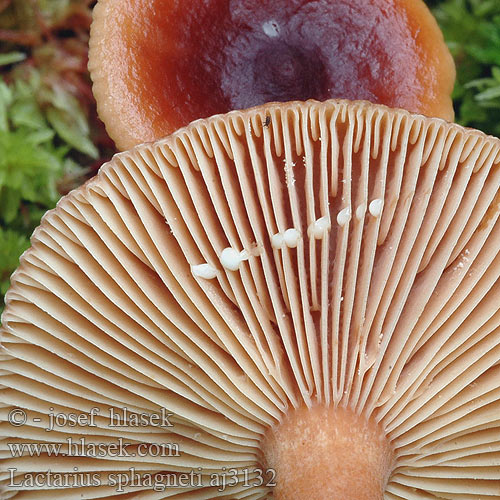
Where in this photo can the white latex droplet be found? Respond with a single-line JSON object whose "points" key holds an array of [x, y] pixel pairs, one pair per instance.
{"points": [[204, 271], [344, 216], [291, 237], [231, 259], [319, 227], [375, 207], [277, 241], [360, 211]]}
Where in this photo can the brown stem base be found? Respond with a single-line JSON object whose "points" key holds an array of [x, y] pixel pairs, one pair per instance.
{"points": [[324, 453]]}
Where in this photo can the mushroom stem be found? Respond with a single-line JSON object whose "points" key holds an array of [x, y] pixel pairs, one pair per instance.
{"points": [[325, 453]]}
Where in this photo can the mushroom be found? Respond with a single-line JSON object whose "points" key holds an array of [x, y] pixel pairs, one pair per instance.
{"points": [[347, 345], [158, 65]]}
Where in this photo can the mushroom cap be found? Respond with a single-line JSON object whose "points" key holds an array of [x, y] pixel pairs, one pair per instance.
{"points": [[159, 64], [384, 302]]}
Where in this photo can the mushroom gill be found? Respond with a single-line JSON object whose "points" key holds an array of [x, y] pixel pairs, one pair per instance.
{"points": [[291, 286]]}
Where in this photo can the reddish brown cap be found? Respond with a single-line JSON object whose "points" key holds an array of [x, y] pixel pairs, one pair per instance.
{"points": [[159, 64]]}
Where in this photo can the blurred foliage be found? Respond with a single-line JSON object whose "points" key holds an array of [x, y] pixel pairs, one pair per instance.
{"points": [[50, 137], [472, 31], [33, 164], [12, 245]]}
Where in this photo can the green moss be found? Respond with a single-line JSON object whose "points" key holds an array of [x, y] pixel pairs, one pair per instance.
{"points": [[472, 31], [50, 137]]}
